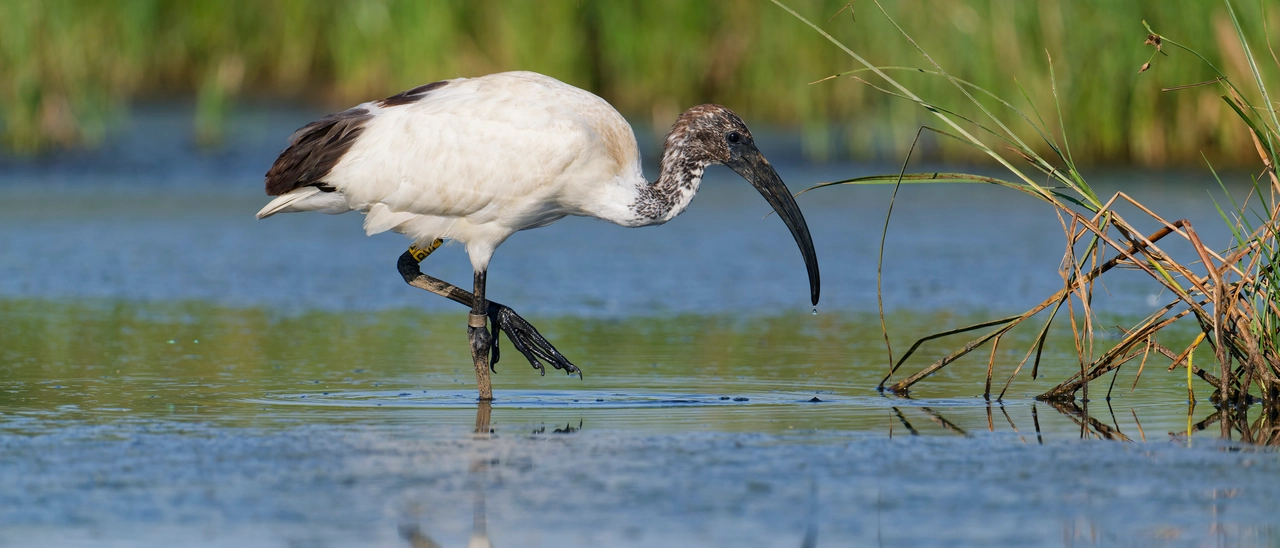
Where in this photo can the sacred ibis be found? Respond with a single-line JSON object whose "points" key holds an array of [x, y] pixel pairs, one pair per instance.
{"points": [[475, 160]]}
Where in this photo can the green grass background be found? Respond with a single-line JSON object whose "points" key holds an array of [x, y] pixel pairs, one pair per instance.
{"points": [[70, 68]]}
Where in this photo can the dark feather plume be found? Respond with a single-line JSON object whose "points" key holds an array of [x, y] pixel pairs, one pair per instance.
{"points": [[412, 95], [317, 147], [314, 150]]}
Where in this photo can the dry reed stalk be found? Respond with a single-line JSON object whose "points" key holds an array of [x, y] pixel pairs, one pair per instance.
{"points": [[1230, 295]]}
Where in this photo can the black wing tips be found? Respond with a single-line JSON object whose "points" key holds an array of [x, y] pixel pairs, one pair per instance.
{"points": [[317, 147], [413, 95], [314, 150]]}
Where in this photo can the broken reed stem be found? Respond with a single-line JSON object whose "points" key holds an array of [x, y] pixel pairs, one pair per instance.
{"points": [[1156, 260], [1234, 303], [901, 387], [1191, 354], [991, 366], [1066, 388]]}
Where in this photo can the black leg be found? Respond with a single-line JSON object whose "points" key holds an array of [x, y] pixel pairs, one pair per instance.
{"points": [[481, 339], [523, 336]]}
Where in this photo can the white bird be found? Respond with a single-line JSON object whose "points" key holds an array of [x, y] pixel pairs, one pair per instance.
{"points": [[476, 160]]}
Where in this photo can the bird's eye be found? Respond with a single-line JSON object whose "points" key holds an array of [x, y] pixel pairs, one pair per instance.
{"points": [[733, 137]]}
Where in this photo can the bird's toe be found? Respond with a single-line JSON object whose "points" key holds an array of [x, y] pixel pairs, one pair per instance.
{"points": [[528, 341]]}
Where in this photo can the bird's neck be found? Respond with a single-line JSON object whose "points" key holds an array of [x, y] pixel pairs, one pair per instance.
{"points": [[632, 201], [662, 200]]}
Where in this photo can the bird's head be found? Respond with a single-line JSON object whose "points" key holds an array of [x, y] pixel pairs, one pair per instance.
{"points": [[712, 134]]}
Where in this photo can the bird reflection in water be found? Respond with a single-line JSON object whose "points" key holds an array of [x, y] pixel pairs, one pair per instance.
{"points": [[569, 428], [478, 471], [479, 528]]}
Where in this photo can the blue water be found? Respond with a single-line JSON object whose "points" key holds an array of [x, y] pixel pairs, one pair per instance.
{"points": [[173, 372]]}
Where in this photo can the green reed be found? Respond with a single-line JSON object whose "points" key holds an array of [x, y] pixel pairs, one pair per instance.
{"points": [[1230, 295], [69, 68]]}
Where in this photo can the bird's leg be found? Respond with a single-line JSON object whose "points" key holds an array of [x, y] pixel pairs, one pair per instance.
{"points": [[408, 266], [521, 333], [478, 334]]}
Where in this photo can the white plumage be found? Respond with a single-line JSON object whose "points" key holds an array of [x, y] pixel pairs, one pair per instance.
{"points": [[482, 158], [477, 159]]}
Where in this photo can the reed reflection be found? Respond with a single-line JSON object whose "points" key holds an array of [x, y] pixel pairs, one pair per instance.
{"points": [[1234, 425], [1254, 425]]}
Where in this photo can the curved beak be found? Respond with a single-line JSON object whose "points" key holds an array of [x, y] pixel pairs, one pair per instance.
{"points": [[757, 171]]}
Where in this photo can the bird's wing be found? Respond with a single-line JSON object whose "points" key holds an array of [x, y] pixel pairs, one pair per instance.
{"points": [[313, 151], [501, 146]]}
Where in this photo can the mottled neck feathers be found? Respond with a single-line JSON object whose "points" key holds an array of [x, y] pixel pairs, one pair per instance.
{"points": [[695, 141]]}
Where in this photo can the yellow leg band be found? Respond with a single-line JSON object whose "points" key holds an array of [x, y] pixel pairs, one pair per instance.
{"points": [[474, 320], [420, 253]]}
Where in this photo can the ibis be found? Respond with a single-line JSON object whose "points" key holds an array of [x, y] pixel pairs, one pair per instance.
{"points": [[475, 160]]}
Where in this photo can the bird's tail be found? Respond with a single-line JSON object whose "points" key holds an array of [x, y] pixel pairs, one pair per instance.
{"points": [[307, 198]]}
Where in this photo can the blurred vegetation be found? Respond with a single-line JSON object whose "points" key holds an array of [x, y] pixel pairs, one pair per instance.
{"points": [[68, 68]]}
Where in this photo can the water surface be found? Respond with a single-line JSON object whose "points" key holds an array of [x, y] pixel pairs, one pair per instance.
{"points": [[174, 372]]}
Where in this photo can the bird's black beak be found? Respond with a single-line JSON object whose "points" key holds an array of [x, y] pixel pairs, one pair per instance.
{"points": [[756, 170]]}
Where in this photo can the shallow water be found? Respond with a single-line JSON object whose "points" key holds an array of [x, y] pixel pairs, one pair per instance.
{"points": [[173, 372]]}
